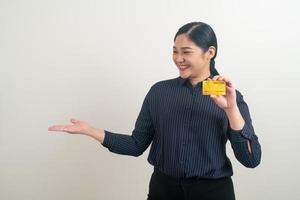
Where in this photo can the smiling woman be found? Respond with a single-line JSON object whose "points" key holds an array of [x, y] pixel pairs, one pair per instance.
{"points": [[191, 60], [195, 47], [188, 130]]}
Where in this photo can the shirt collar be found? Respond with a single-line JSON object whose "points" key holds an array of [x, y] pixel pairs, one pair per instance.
{"points": [[183, 81]]}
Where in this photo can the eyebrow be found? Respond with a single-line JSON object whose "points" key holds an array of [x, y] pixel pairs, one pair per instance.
{"points": [[183, 47]]}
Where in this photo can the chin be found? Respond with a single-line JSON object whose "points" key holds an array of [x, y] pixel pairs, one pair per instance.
{"points": [[184, 75]]}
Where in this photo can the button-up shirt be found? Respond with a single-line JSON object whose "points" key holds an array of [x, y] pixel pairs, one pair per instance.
{"points": [[188, 132]]}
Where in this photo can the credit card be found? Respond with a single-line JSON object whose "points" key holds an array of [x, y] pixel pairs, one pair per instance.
{"points": [[213, 87]]}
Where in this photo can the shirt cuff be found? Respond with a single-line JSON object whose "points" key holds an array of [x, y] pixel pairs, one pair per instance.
{"points": [[240, 135], [108, 141]]}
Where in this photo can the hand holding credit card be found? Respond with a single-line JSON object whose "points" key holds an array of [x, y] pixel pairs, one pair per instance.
{"points": [[213, 87]]}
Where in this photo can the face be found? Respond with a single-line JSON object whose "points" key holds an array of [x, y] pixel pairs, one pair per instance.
{"points": [[190, 59]]}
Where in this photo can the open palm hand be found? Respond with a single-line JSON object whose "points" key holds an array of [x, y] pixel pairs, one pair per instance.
{"points": [[77, 127]]}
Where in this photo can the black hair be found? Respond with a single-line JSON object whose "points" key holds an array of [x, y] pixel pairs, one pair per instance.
{"points": [[203, 36]]}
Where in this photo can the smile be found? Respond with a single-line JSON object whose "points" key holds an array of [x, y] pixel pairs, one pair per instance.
{"points": [[182, 67]]}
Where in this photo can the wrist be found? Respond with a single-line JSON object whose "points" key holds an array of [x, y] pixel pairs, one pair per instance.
{"points": [[97, 134], [235, 118], [232, 110]]}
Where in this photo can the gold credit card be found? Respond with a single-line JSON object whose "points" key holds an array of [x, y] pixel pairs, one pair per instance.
{"points": [[214, 87]]}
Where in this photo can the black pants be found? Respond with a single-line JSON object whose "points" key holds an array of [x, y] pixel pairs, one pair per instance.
{"points": [[163, 187]]}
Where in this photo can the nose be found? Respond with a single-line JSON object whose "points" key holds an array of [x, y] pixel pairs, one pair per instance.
{"points": [[178, 58]]}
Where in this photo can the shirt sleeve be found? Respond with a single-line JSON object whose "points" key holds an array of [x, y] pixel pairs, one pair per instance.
{"points": [[140, 139], [239, 138]]}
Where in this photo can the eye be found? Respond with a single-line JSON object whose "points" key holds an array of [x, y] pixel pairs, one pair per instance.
{"points": [[187, 52], [174, 52]]}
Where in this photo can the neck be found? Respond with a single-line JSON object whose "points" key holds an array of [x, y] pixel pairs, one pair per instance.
{"points": [[195, 80]]}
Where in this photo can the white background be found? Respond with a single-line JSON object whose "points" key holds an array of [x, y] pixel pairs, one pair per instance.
{"points": [[96, 60]]}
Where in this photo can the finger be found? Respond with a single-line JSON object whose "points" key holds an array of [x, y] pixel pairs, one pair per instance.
{"points": [[69, 128], [74, 121], [56, 128], [64, 128], [216, 77], [220, 78], [228, 82], [226, 79], [230, 90]]}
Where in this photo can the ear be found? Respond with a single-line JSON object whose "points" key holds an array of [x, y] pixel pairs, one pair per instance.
{"points": [[211, 52]]}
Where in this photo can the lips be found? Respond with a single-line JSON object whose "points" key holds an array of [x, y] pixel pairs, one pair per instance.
{"points": [[182, 67]]}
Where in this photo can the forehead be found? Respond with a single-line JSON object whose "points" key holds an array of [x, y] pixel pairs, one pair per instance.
{"points": [[183, 41]]}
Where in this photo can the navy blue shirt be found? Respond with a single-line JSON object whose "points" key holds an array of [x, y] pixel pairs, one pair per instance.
{"points": [[188, 132]]}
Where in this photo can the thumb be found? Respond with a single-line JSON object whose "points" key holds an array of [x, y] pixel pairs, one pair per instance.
{"points": [[74, 121]]}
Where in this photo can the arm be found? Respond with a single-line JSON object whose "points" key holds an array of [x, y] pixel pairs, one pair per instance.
{"points": [[133, 145], [236, 121], [140, 139], [240, 130], [243, 140]]}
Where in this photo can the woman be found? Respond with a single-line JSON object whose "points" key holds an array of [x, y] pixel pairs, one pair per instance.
{"points": [[188, 130]]}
